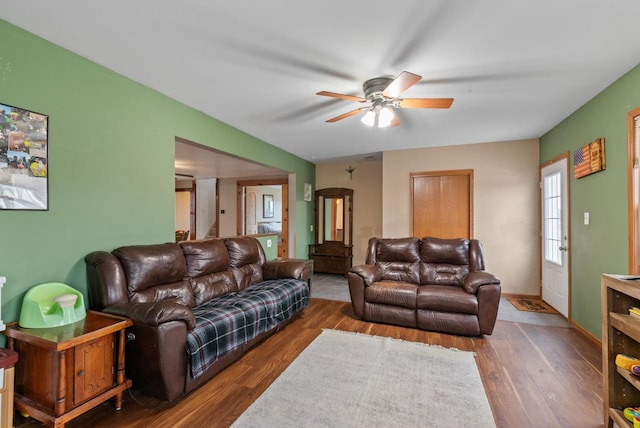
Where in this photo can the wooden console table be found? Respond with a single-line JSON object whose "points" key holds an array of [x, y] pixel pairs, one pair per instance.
{"points": [[64, 371], [331, 258], [333, 249]]}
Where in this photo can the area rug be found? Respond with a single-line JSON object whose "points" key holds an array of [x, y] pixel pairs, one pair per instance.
{"points": [[354, 380], [531, 305]]}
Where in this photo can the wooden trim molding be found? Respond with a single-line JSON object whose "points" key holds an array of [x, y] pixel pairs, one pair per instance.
{"points": [[587, 334], [633, 189], [520, 296], [558, 158]]}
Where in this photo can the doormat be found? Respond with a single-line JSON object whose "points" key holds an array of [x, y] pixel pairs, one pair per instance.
{"points": [[531, 305]]}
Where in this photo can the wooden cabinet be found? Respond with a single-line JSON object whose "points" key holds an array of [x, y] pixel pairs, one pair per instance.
{"points": [[8, 360], [332, 252], [64, 371], [620, 335], [328, 258]]}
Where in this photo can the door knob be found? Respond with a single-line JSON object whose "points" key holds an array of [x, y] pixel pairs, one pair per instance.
{"points": [[563, 248]]}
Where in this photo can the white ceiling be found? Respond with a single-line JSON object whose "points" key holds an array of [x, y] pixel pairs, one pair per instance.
{"points": [[515, 68], [195, 162]]}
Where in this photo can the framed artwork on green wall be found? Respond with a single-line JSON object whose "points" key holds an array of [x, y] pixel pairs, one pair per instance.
{"points": [[307, 192], [589, 159], [24, 159]]}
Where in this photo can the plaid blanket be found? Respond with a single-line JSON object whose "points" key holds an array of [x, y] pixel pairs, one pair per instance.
{"points": [[234, 319]]}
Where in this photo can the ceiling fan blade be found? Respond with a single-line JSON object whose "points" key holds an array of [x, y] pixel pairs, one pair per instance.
{"points": [[341, 96], [346, 115], [394, 122], [424, 102], [401, 83]]}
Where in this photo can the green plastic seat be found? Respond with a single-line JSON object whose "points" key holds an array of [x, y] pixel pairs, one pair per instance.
{"points": [[51, 305]]}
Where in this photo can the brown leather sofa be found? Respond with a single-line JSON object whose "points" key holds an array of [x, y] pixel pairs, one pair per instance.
{"points": [[169, 290], [429, 283]]}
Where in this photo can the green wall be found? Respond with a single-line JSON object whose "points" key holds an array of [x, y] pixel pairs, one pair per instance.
{"points": [[111, 164], [600, 247], [269, 245]]}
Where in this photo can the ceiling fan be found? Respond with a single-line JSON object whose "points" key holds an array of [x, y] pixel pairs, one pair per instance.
{"points": [[382, 93]]}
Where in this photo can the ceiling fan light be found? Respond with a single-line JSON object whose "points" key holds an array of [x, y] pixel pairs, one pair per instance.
{"points": [[385, 117], [369, 118]]}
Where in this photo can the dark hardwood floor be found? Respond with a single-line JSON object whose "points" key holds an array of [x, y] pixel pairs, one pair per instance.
{"points": [[534, 376]]}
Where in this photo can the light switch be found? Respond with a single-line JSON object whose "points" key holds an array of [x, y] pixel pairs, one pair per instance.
{"points": [[268, 243], [311, 227], [586, 218]]}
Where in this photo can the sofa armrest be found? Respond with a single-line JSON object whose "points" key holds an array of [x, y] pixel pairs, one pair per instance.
{"points": [[368, 273], [157, 359], [359, 278], [475, 280], [488, 303], [281, 268], [154, 313]]}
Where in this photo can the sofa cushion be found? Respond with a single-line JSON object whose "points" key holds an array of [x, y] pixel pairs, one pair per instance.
{"points": [[392, 293], [246, 258], [208, 268], [204, 257], [155, 273], [213, 285], [444, 261], [444, 298], [448, 322], [230, 321], [179, 292], [399, 259]]}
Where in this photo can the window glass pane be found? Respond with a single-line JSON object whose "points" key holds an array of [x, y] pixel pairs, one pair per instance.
{"points": [[553, 218]]}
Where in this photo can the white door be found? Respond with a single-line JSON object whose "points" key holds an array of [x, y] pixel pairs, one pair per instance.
{"points": [[251, 227], [555, 236]]}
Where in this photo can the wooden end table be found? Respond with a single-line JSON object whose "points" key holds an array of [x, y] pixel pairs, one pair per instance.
{"points": [[64, 371]]}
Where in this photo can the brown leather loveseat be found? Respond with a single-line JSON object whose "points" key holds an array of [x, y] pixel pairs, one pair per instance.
{"points": [[197, 306], [429, 283]]}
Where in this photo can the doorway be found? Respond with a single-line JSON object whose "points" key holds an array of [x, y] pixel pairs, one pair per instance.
{"points": [[185, 213], [554, 203], [442, 204], [263, 207]]}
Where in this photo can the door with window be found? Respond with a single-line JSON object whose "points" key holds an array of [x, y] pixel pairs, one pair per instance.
{"points": [[555, 234]]}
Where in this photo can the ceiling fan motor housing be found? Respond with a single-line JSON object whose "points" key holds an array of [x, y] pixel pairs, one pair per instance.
{"points": [[373, 88]]}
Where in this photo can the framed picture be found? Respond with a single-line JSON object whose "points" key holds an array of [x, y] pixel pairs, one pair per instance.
{"points": [[307, 192], [24, 159], [267, 206]]}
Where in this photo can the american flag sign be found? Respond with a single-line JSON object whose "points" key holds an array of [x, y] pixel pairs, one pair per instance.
{"points": [[589, 159]]}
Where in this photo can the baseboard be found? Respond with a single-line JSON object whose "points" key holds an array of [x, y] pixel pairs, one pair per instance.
{"points": [[586, 333], [520, 296]]}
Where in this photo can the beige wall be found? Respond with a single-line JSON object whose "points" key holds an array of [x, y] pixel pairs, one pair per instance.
{"points": [[366, 182], [506, 202]]}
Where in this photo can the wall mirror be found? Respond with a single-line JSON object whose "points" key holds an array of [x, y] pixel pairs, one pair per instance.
{"points": [[333, 219], [334, 223]]}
